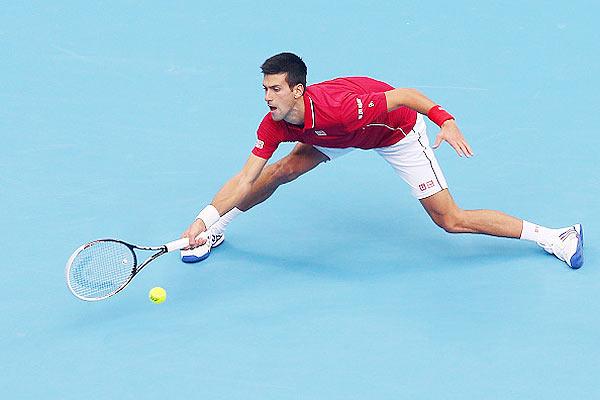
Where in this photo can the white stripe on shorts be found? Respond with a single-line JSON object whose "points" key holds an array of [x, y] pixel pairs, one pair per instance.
{"points": [[412, 158]]}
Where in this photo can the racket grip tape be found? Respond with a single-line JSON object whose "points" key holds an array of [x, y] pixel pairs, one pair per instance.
{"points": [[177, 244]]}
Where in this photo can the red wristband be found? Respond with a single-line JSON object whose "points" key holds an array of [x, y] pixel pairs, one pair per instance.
{"points": [[438, 115]]}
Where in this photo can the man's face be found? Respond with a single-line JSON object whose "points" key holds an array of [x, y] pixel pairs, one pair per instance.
{"points": [[278, 95]]}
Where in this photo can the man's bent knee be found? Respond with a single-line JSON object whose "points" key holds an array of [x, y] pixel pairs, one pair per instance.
{"points": [[445, 213], [452, 222], [301, 160], [449, 224]]}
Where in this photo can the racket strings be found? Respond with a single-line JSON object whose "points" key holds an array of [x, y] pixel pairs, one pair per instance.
{"points": [[101, 269]]}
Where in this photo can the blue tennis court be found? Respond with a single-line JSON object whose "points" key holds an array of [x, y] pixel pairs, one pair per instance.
{"points": [[123, 119]]}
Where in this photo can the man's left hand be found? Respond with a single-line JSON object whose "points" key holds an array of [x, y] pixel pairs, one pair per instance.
{"points": [[451, 134]]}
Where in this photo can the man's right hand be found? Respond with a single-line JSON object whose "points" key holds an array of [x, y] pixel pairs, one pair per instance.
{"points": [[193, 234]]}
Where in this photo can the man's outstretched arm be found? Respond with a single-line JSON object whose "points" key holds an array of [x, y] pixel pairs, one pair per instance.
{"points": [[231, 194], [416, 100]]}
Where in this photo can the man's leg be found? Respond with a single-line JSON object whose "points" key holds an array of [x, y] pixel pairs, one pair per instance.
{"points": [[447, 215], [565, 243], [301, 159], [413, 159]]}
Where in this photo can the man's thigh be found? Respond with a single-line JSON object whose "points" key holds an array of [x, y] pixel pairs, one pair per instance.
{"points": [[299, 161], [302, 159]]}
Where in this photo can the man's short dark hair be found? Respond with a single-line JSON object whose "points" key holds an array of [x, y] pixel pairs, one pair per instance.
{"points": [[286, 63]]}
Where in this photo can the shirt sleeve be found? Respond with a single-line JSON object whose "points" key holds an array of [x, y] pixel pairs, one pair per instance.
{"points": [[359, 110], [268, 138]]}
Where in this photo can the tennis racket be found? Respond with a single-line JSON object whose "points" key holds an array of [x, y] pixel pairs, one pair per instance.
{"points": [[104, 267]]}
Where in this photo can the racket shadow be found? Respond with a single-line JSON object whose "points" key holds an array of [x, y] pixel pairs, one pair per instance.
{"points": [[311, 265]]}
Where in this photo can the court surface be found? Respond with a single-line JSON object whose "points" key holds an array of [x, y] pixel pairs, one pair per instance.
{"points": [[122, 119]]}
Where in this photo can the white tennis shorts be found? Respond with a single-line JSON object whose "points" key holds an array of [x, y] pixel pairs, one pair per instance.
{"points": [[411, 158]]}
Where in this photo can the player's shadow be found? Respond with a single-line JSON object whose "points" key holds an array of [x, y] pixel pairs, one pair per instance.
{"points": [[338, 260]]}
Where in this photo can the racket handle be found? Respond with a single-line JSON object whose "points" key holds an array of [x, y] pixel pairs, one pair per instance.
{"points": [[177, 244]]}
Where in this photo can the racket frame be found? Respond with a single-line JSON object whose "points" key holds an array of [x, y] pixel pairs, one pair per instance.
{"points": [[135, 269]]}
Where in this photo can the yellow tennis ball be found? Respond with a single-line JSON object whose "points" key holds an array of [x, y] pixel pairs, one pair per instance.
{"points": [[157, 295]]}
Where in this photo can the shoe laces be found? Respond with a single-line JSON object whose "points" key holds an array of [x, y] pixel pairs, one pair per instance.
{"points": [[558, 246], [213, 238]]}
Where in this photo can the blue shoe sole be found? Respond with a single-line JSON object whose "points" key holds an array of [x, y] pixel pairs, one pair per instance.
{"points": [[190, 259], [577, 258], [194, 259]]}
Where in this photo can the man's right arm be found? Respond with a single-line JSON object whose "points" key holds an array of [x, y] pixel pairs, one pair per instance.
{"points": [[230, 195], [416, 100]]}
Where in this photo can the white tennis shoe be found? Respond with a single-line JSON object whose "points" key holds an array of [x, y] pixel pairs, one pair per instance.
{"points": [[567, 246], [202, 252]]}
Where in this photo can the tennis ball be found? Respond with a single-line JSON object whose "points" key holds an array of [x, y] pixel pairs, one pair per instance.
{"points": [[157, 295]]}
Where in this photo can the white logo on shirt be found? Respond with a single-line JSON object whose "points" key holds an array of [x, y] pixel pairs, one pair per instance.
{"points": [[371, 104], [321, 133], [259, 144], [360, 108]]}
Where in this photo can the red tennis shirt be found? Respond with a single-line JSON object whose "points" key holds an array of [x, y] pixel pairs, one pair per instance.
{"points": [[340, 113]]}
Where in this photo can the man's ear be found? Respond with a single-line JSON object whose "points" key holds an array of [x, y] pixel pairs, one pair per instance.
{"points": [[298, 91]]}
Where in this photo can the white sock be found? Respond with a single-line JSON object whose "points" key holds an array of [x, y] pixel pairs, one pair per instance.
{"points": [[220, 226], [538, 233]]}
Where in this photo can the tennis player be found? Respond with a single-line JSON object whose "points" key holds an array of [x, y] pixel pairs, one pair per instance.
{"points": [[332, 118]]}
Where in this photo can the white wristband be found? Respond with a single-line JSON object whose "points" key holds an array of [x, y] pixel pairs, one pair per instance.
{"points": [[209, 215]]}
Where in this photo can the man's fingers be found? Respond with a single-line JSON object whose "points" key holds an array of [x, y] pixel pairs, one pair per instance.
{"points": [[459, 151], [456, 140], [196, 239], [466, 149], [185, 235], [469, 149], [459, 148], [200, 238]]}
